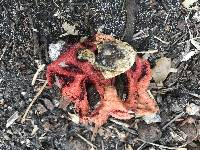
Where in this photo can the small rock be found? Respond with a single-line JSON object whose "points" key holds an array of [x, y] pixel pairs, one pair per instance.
{"points": [[23, 93], [35, 128], [41, 109], [70, 29], [1, 102], [46, 126], [48, 104], [6, 137], [9, 132], [56, 102], [192, 109], [55, 50], [197, 16]]}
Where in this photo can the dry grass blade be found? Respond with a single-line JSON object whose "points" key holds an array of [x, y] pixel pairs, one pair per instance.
{"points": [[178, 116], [84, 139], [40, 68], [119, 123], [34, 99]]}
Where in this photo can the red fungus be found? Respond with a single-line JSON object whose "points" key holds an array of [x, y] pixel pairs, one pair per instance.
{"points": [[72, 74]]}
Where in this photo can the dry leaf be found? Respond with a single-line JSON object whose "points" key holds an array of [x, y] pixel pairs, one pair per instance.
{"points": [[161, 70]]}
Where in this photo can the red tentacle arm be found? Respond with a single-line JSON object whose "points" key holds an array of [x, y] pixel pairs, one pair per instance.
{"points": [[72, 75]]}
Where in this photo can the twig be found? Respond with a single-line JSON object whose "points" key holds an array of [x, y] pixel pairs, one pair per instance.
{"points": [[195, 95], [40, 68], [84, 139], [119, 123], [161, 40], [34, 37], [141, 146], [34, 99], [164, 127], [141, 34], [125, 126], [195, 38], [148, 52], [175, 118], [161, 146]]}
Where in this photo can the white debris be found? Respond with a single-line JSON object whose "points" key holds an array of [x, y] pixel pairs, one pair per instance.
{"points": [[23, 93], [35, 30], [55, 50], [192, 109], [188, 55], [196, 44], [35, 128], [12, 119], [74, 118], [100, 29], [191, 4], [196, 16], [70, 29], [152, 118]]}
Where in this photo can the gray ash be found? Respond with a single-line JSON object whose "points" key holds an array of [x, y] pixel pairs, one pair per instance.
{"points": [[108, 15]]}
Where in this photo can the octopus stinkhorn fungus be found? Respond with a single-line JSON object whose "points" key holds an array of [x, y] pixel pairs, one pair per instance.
{"points": [[83, 63]]}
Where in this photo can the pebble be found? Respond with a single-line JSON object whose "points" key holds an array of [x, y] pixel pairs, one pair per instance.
{"points": [[48, 104], [41, 109]]}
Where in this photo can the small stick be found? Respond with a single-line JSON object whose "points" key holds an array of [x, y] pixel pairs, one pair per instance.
{"points": [[34, 99], [175, 118], [40, 68], [94, 132], [161, 40], [84, 139], [119, 123], [195, 95], [148, 52], [161, 146]]}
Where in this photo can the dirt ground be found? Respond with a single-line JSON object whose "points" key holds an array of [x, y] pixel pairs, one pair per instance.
{"points": [[28, 27]]}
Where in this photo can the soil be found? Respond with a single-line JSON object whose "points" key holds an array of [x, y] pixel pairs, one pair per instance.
{"points": [[28, 27]]}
